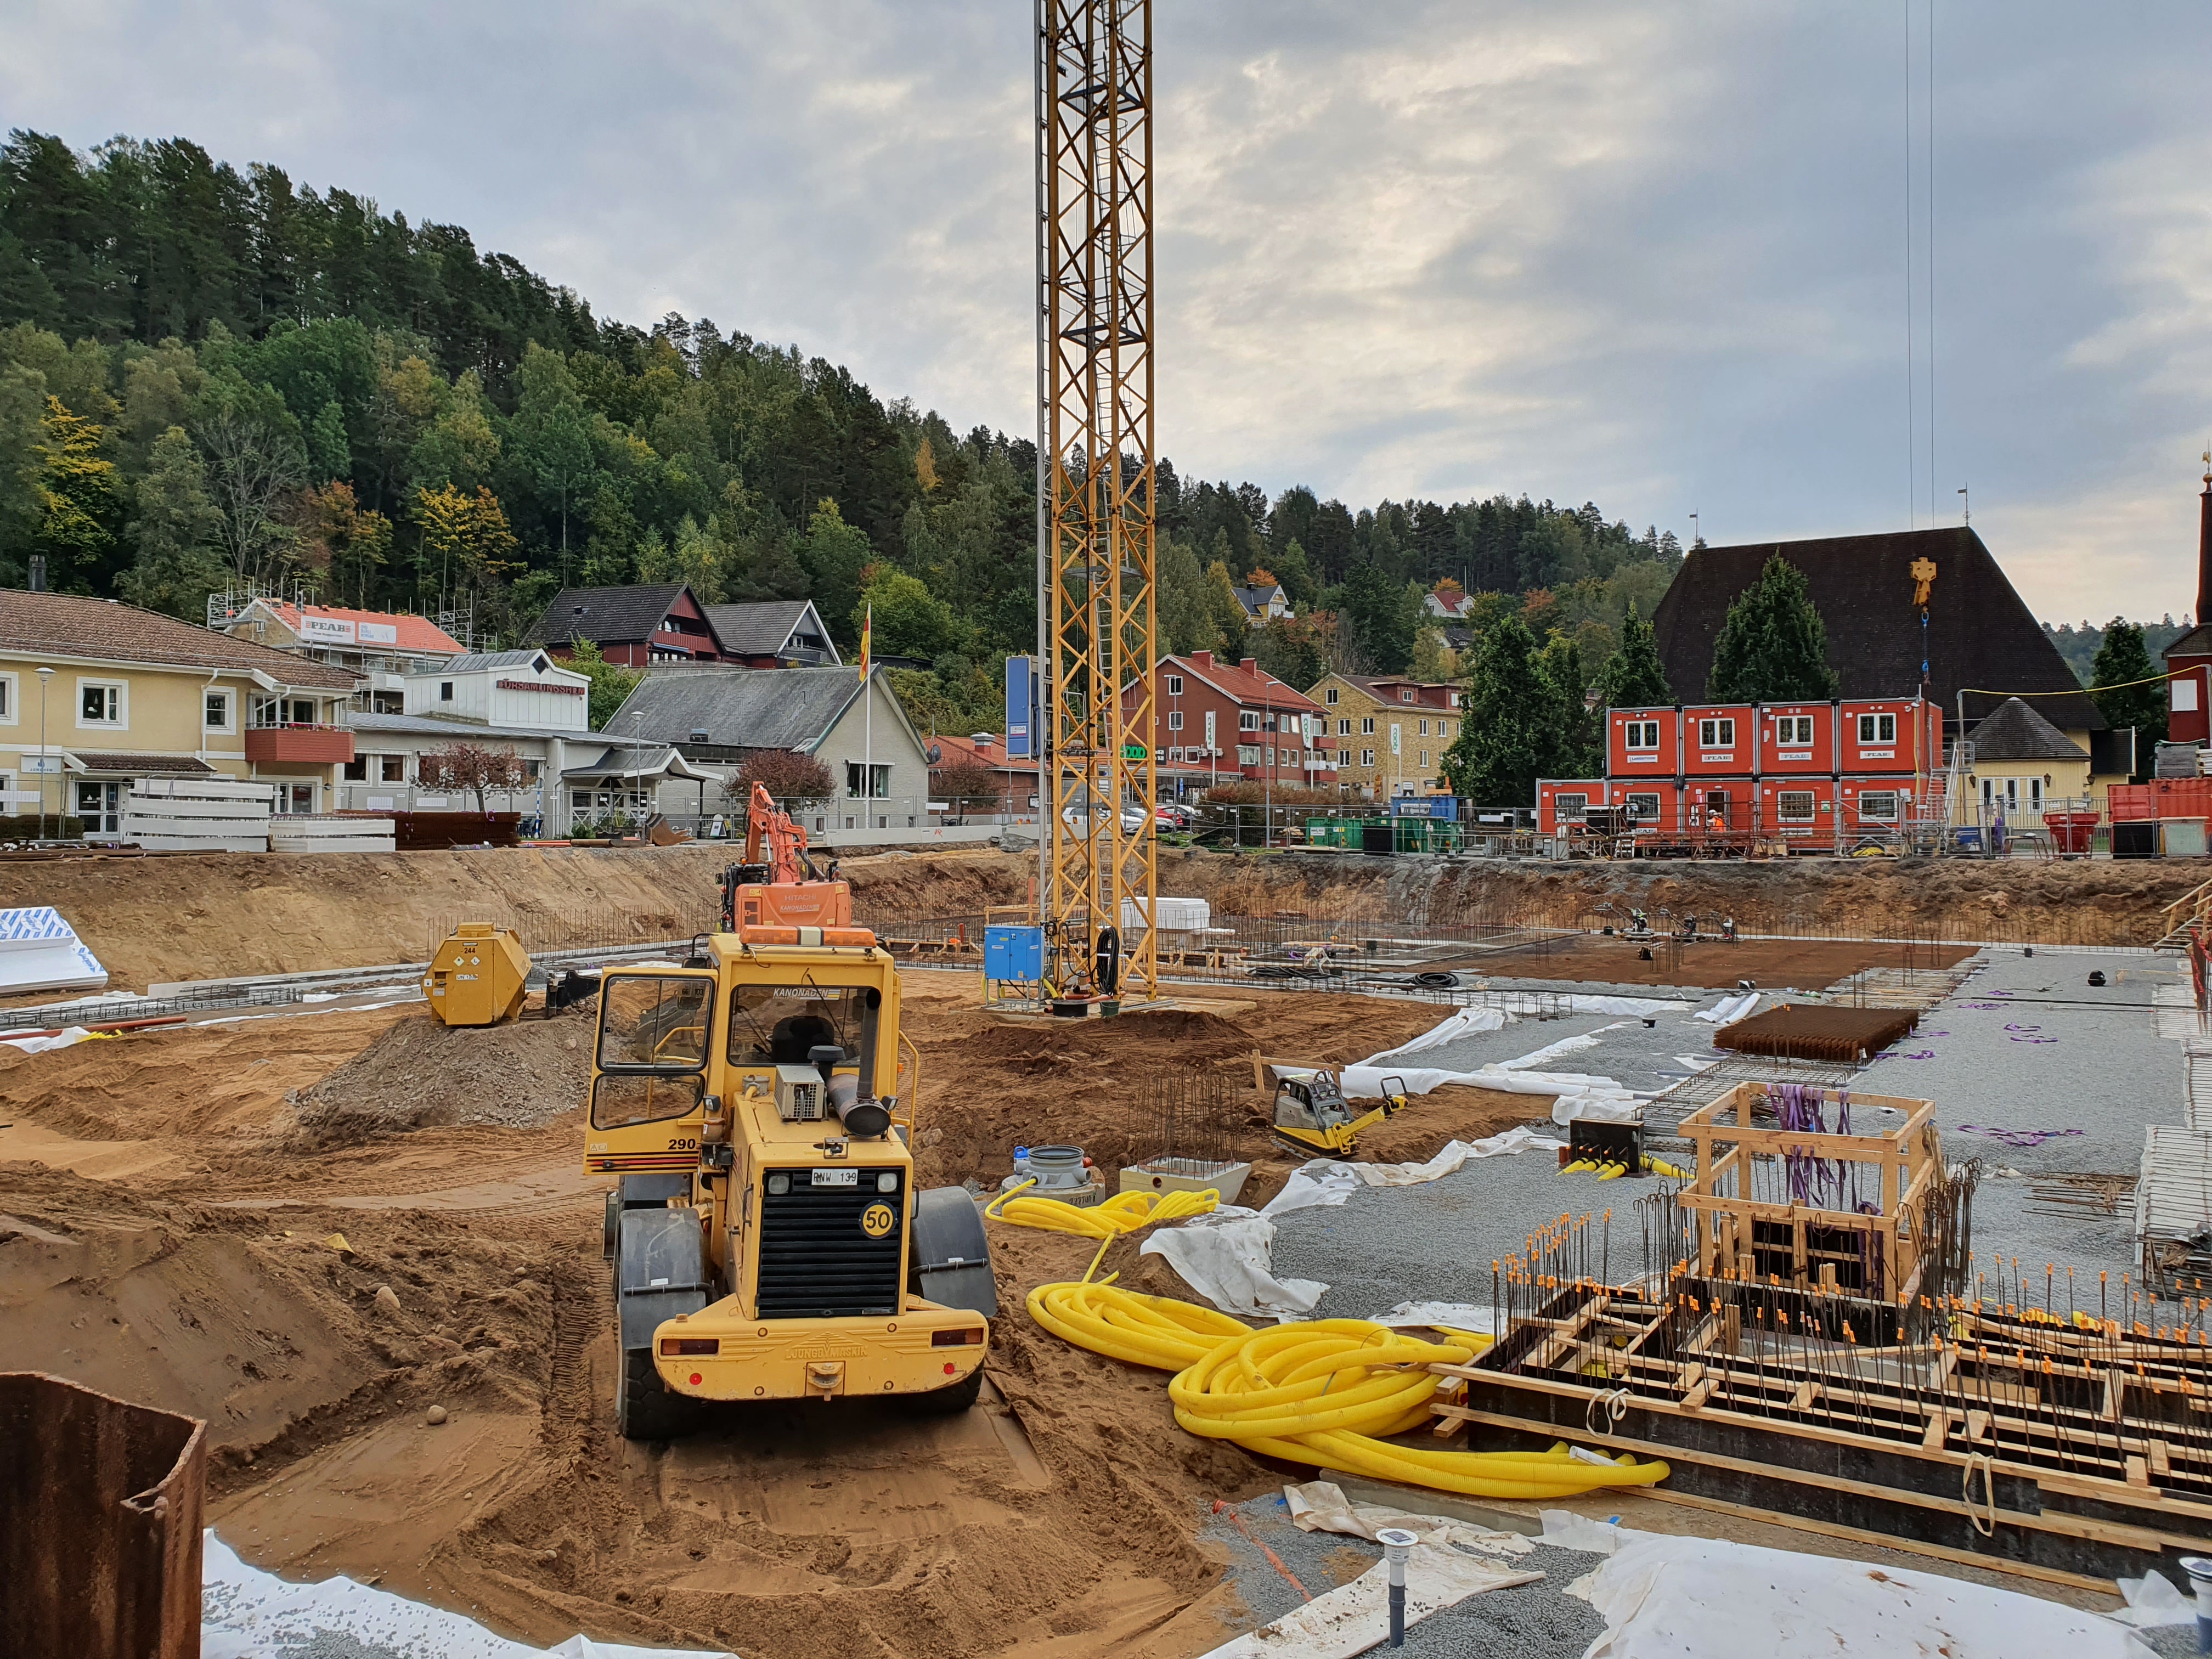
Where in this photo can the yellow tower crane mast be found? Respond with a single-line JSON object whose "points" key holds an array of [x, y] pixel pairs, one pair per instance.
{"points": [[1097, 640]]}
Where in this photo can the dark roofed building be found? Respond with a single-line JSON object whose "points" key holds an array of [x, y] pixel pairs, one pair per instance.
{"points": [[1980, 633], [774, 633], [636, 626], [2017, 733], [879, 763]]}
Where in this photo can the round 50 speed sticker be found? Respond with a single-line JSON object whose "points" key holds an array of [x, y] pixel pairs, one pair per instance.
{"points": [[876, 1220]]}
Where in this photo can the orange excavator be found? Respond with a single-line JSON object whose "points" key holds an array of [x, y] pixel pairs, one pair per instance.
{"points": [[777, 895]]}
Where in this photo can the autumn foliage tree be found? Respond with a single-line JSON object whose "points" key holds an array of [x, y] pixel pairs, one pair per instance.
{"points": [[788, 774], [967, 788], [472, 767]]}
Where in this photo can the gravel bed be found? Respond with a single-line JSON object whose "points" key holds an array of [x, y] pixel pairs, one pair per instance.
{"points": [[1530, 1621], [2027, 1044]]}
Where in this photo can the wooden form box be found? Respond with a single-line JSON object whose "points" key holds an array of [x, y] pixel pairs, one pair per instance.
{"points": [[1739, 1235]]}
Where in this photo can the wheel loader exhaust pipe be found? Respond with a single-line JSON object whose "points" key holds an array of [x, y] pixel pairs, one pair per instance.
{"points": [[864, 1119]]}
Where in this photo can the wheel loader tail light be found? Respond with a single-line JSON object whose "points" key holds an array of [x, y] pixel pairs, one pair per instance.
{"points": [[672, 1346], [972, 1337]]}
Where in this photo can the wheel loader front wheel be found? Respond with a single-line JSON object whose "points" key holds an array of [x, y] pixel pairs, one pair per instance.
{"points": [[644, 1409]]}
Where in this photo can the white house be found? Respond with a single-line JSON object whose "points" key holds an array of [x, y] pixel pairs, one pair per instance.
{"points": [[1263, 604], [879, 764], [524, 690]]}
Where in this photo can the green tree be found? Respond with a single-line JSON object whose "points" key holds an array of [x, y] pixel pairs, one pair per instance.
{"points": [[347, 545], [179, 534], [1772, 647], [1295, 649], [910, 621], [611, 684], [1185, 599], [1435, 663], [1578, 747], [2123, 662], [833, 554], [1634, 677], [1232, 622], [1509, 729]]}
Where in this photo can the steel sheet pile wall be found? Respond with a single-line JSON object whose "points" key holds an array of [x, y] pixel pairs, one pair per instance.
{"points": [[100, 1509]]}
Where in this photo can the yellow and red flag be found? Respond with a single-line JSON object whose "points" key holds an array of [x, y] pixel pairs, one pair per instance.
{"points": [[867, 626]]}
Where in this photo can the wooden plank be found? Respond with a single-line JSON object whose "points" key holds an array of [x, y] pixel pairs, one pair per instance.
{"points": [[1808, 1392], [2057, 1522], [2161, 1459], [1938, 1426], [1977, 1427]]}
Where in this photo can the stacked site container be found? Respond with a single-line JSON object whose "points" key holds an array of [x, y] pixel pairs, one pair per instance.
{"points": [[1820, 776]]}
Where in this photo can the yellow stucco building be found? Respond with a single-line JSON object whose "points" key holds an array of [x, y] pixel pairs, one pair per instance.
{"points": [[96, 695]]}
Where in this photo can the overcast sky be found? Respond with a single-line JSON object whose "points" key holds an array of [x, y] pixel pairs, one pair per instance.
{"points": [[1647, 255]]}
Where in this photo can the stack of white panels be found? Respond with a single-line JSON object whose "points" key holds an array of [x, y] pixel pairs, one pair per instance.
{"points": [[197, 815], [39, 952], [301, 833]]}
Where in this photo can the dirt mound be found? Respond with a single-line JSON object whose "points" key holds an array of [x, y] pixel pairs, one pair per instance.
{"points": [[419, 1073], [175, 1087], [990, 1083], [257, 1322]]}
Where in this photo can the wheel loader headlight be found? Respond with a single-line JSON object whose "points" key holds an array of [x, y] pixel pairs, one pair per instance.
{"points": [[778, 1183], [887, 1182]]}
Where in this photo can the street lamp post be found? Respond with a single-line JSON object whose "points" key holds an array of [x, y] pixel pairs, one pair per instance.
{"points": [[45, 674]]}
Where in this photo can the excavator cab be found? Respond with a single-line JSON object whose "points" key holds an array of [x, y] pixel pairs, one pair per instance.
{"points": [[1311, 1115]]}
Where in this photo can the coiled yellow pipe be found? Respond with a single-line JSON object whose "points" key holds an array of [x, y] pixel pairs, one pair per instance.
{"points": [[1122, 1213], [1324, 1392]]}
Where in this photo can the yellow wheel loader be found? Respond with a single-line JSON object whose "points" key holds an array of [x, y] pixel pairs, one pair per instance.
{"points": [[757, 1103], [1312, 1116]]}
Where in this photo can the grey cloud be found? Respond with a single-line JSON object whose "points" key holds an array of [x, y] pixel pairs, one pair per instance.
{"points": [[1646, 255]]}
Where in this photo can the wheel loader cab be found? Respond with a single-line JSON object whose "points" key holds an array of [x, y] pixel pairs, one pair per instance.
{"points": [[767, 1237]]}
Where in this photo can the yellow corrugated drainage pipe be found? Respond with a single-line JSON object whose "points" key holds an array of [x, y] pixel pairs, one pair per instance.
{"points": [[1324, 1392], [1124, 1212]]}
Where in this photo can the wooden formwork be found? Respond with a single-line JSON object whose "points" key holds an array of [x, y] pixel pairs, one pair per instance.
{"points": [[2068, 1449], [1740, 1235]]}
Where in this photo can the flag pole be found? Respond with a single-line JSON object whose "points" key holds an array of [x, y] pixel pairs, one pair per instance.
{"points": [[867, 722]]}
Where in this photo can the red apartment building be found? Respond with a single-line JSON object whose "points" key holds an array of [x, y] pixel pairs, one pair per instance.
{"points": [[1224, 723]]}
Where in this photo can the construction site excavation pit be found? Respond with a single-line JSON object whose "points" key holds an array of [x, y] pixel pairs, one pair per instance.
{"points": [[208, 1219]]}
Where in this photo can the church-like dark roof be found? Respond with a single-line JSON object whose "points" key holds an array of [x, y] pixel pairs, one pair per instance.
{"points": [[1980, 634]]}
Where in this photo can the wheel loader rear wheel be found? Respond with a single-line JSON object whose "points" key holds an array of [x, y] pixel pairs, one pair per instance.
{"points": [[644, 1407], [948, 1401]]}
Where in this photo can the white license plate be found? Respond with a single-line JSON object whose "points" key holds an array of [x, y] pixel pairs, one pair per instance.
{"points": [[836, 1177]]}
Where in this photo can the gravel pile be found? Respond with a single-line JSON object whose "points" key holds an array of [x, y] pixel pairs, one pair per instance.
{"points": [[1530, 1621]]}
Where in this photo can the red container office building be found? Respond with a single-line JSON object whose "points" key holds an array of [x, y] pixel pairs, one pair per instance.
{"points": [[1823, 776]]}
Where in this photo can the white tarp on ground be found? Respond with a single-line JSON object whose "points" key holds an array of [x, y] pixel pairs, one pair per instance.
{"points": [[247, 1614], [68, 1038], [1228, 1257], [1321, 1506], [1332, 1181], [1583, 1096], [1701, 1598], [1729, 1009], [1467, 1021], [39, 952]]}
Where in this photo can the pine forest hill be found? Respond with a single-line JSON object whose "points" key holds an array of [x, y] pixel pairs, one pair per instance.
{"points": [[211, 376]]}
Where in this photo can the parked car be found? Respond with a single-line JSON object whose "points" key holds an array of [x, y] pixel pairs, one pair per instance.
{"points": [[1173, 814]]}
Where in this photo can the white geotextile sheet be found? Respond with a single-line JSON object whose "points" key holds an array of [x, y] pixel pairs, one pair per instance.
{"points": [[1227, 1257], [1332, 1181], [1364, 1082], [1702, 1598], [247, 1614], [1728, 1009], [1465, 1023], [68, 1038], [1355, 1617], [1321, 1506]]}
